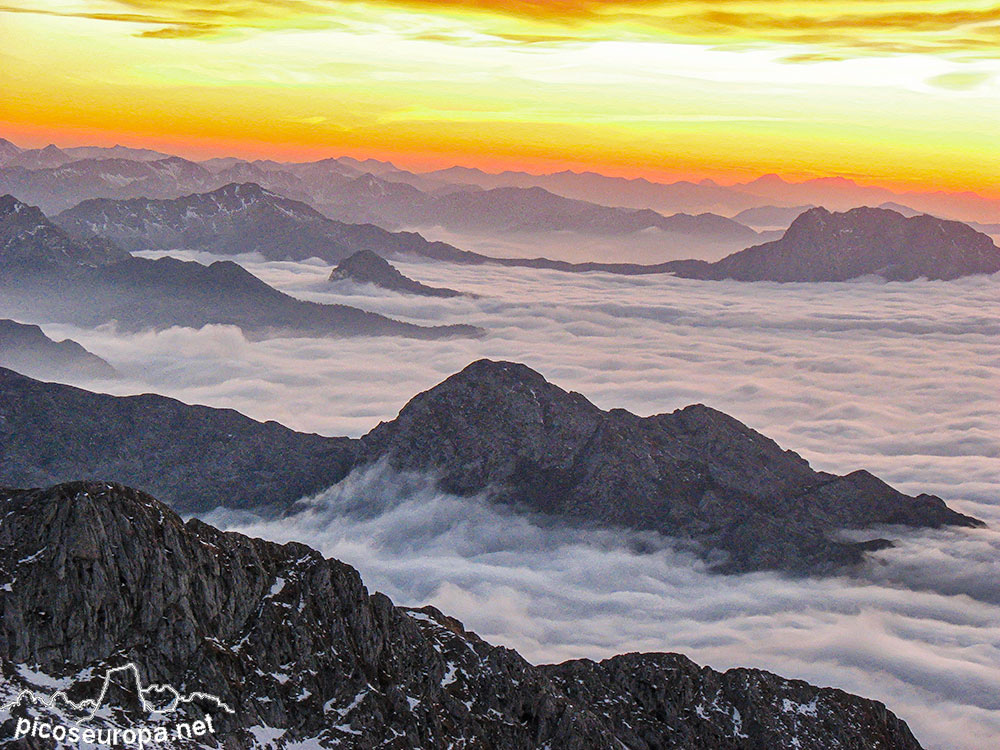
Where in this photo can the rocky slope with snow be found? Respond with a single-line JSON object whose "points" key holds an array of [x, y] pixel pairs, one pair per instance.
{"points": [[98, 576]]}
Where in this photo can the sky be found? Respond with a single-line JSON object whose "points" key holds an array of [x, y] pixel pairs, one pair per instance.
{"points": [[890, 92]]}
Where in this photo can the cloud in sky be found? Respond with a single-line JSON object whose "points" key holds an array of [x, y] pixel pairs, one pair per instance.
{"points": [[862, 26]]}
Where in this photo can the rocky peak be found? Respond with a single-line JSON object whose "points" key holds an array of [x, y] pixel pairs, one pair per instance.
{"points": [[825, 246], [97, 577], [367, 267], [696, 473]]}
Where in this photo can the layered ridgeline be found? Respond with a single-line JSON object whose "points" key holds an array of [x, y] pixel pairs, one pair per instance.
{"points": [[495, 428], [98, 576], [365, 267], [28, 350], [823, 246], [46, 274], [238, 218]]}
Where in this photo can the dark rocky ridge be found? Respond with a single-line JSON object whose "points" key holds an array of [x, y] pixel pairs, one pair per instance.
{"points": [[28, 350], [194, 457], [97, 575], [365, 267], [48, 275], [696, 473]]}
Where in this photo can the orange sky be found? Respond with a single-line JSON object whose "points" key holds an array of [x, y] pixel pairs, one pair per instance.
{"points": [[884, 91]]}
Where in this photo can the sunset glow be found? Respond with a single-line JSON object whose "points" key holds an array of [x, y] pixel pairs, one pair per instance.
{"points": [[895, 93]]}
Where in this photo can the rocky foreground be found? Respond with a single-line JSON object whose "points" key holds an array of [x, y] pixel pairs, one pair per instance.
{"points": [[96, 575]]}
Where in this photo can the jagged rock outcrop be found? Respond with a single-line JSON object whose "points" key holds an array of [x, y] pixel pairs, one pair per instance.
{"points": [[89, 281], [824, 246], [97, 576], [696, 473], [194, 457], [26, 349], [365, 267]]}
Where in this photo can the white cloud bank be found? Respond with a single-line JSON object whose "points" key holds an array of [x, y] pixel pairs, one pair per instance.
{"points": [[898, 378]]}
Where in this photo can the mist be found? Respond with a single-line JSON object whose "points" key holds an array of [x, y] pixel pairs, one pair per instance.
{"points": [[897, 378]]}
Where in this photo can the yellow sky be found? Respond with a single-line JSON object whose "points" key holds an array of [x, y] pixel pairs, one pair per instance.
{"points": [[901, 93]]}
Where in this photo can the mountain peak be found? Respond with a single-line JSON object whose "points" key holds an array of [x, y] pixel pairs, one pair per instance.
{"points": [[502, 429], [826, 246], [367, 267]]}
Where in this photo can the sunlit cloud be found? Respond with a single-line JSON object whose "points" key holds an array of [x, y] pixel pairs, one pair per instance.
{"points": [[961, 27]]}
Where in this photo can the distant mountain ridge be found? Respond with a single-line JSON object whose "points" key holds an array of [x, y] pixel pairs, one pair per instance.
{"points": [[825, 246], [26, 349], [821, 246], [48, 275], [365, 267], [238, 218], [496, 429]]}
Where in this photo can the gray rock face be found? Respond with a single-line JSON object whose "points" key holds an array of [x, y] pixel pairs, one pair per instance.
{"points": [[28, 350], [696, 473], [824, 246], [98, 575], [236, 218], [193, 457], [365, 267]]}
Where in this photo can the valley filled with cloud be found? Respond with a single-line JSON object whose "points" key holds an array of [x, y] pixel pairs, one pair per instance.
{"points": [[896, 378]]}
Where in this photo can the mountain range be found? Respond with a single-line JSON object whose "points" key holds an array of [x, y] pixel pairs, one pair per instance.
{"points": [[235, 219], [496, 429], [26, 349], [95, 575], [47, 275], [818, 246]]}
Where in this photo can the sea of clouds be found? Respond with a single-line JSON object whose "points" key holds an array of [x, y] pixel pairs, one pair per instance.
{"points": [[898, 378]]}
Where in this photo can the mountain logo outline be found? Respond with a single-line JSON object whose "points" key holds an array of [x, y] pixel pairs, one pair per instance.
{"points": [[92, 705]]}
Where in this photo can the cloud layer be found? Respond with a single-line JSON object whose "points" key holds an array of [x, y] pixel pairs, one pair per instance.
{"points": [[897, 378]]}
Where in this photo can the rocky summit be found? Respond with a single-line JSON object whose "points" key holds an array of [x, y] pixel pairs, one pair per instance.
{"points": [[366, 267], [96, 577], [825, 246], [500, 428]]}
